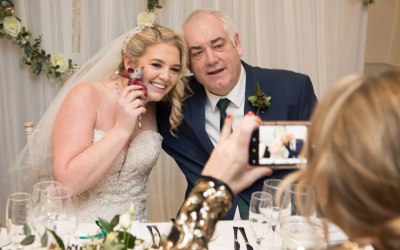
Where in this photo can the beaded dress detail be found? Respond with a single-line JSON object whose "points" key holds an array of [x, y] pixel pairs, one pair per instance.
{"points": [[125, 183]]}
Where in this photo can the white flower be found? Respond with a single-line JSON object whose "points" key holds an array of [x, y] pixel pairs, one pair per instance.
{"points": [[11, 26], [146, 17], [61, 61], [125, 221]]}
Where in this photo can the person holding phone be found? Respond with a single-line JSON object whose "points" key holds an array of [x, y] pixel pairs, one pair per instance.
{"points": [[352, 149], [222, 80]]}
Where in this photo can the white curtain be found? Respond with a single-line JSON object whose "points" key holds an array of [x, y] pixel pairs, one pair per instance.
{"points": [[322, 38]]}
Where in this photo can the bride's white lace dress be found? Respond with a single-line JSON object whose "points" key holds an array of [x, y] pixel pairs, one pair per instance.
{"points": [[125, 182]]}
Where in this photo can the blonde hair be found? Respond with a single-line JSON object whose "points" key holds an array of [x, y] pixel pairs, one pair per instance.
{"points": [[136, 46], [352, 150]]}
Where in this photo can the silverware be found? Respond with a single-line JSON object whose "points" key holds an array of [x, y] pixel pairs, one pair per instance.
{"points": [[154, 245], [236, 244], [248, 246], [159, 235]]}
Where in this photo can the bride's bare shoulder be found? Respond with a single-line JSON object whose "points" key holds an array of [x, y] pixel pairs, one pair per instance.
{"points": [[88, 90], [84, 93]]}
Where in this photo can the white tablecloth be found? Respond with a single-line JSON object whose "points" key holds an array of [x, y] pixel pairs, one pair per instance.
{"points": [[223, 238]]}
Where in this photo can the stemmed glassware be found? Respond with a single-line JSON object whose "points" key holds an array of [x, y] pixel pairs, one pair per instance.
{"points": [[55, 211], [260, 213], [40, 189], [300, 228], [271, 186], [17, 217]]}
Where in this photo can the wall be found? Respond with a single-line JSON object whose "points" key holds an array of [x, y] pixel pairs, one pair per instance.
{"points": [[383, 36]]}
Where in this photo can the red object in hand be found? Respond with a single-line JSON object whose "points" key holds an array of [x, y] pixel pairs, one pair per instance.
{"points": [[134, 77]]}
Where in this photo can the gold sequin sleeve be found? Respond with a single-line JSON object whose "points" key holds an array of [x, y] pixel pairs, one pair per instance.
{"points": [[208, 202]]}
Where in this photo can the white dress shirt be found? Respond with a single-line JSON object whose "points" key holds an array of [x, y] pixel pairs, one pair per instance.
{"points": [[236, 107]]}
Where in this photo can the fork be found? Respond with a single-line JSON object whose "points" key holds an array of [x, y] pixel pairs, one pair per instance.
{"points": [[154, 245]]}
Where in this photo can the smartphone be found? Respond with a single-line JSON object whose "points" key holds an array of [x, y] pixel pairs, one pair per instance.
{"points": [[278, 144]]}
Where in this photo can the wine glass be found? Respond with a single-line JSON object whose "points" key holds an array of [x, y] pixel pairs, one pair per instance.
{"points": [[271, 186], [17, 209], [260, 213], [300, 228], [40, 188], [301, 201], [55, 211]]}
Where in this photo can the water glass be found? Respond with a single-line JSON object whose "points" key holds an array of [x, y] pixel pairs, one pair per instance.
{"points": [[17, 217], [260, 213]]}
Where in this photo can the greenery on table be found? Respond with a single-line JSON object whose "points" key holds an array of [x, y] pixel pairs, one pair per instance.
{"points": [[116, 236]]}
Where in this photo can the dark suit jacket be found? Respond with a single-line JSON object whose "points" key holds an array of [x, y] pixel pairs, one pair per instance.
{"points": [[294, 153], [293, 98]]}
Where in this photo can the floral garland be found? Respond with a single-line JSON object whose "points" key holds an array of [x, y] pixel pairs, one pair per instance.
{"points": [[55, 66], [366, 3], [148, 15]]}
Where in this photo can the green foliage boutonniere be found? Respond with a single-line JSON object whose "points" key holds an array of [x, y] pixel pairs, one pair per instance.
{"points": [[259, 100]]}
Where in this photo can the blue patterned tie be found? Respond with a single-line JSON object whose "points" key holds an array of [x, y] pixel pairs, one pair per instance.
{"points": [[222, 104]]}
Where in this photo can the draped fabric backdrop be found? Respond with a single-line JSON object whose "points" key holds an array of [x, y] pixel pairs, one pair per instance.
{"points": [[322, 38]]}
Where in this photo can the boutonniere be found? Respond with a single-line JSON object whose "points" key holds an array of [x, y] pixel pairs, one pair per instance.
{"points": [[259, 100]]}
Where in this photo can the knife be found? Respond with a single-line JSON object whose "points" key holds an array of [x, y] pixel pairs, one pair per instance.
{"points": [[236, 243], [248, 246]]}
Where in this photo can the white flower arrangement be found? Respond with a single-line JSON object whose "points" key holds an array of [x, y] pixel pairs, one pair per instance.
{"points": [[55, 66], [12, 26], [59, 62]]}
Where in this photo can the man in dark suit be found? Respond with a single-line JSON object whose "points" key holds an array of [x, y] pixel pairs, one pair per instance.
{"points": [[215, 60]]}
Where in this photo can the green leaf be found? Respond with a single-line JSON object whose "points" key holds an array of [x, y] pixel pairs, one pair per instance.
{"points": [[257, 89], [44, 240], [27, 229], [29, 239], [106, 225], [253, 100], [59, 241], [115, 220]]}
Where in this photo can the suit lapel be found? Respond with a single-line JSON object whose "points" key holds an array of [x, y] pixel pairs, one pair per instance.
{"points": [[195, 117], [251, 80]]}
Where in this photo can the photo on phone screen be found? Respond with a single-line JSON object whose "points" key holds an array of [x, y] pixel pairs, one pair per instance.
{"points": [[278, 144]]}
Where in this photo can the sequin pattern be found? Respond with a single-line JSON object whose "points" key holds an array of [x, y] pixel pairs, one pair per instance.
{"points": [[125, 183]]}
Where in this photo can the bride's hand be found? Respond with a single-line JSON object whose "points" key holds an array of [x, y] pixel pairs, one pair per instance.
{"points": [[131, 105]]}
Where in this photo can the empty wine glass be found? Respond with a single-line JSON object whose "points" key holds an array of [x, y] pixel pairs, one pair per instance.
{"points": [[260, 213], [301, 201], [55, 211], [271, 186], [39, 189], [17, 214], [300, 228]]}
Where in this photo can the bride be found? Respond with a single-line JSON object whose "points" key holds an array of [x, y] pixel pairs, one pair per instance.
{"points": [[104, 139]]}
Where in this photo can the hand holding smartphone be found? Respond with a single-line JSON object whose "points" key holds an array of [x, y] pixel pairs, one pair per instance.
{"points": [[278, 144]]}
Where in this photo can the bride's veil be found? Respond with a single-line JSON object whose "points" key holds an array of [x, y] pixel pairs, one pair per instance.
{"points": [[34, 161]]}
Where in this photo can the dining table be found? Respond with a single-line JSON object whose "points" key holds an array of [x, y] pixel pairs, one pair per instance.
{"points": [[223, 237]]}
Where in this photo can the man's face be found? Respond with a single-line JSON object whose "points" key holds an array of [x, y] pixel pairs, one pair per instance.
{"points": [[214, 59]]}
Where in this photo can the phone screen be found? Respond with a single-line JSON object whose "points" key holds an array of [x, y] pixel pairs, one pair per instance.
{"points": [[278, 144]]}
